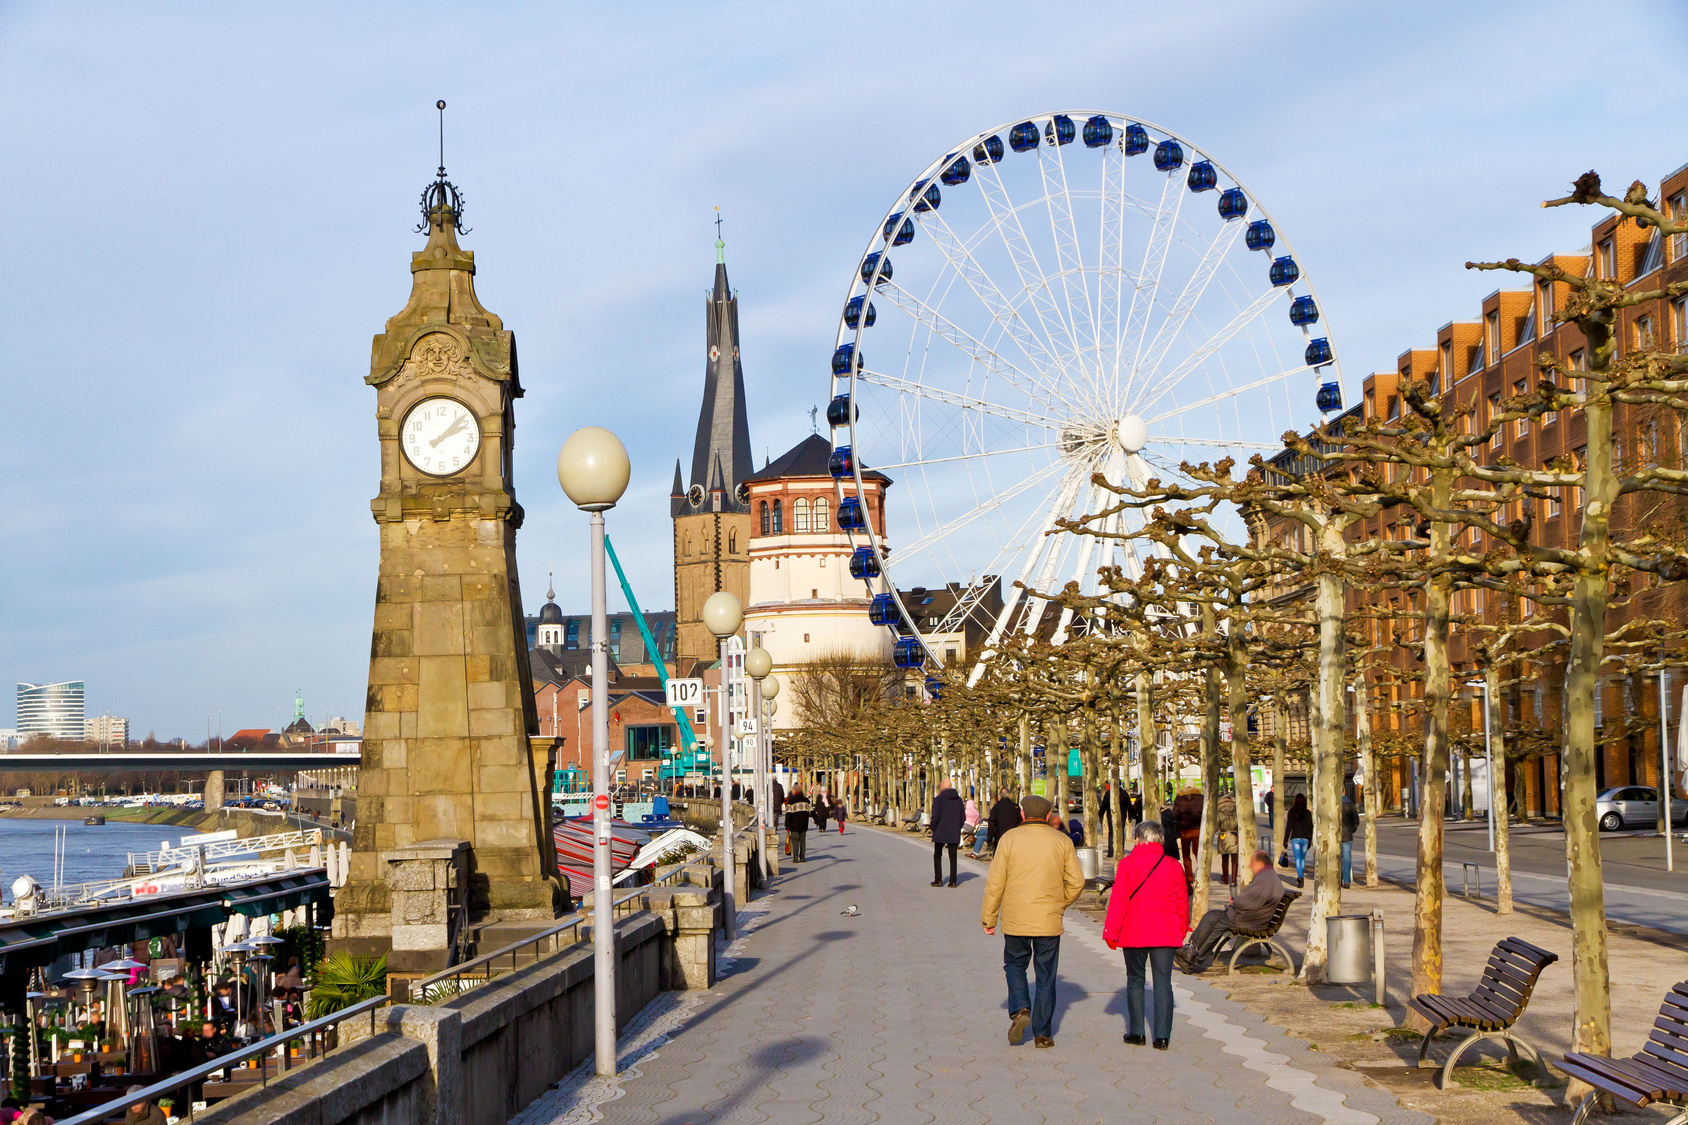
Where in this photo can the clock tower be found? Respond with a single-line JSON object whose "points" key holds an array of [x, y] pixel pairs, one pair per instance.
{"points": [[447, 756]]}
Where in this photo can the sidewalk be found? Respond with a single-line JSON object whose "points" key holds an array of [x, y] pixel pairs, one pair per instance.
{"points": [[899, 1015]]}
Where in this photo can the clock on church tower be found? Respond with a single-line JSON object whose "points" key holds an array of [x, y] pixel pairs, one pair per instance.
{"points": [[447, 755]]}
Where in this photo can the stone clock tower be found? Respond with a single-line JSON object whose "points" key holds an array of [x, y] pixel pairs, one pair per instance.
{"points": [[447, 757]]}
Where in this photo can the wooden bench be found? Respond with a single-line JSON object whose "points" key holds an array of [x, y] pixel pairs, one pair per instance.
{"points": [[1658, 1074], [1243, 940], [1491, 1010]]}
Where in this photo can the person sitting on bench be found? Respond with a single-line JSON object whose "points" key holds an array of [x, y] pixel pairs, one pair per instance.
{"points": [[1250, 911]]}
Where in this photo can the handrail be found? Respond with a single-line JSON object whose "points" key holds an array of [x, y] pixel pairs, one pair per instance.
{"points": [[418, 989], [175, 1082]]}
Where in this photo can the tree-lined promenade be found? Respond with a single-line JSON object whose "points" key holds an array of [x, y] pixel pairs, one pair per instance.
{"points": [[1254, 604]]}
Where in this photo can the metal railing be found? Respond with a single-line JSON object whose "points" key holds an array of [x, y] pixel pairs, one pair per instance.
{"points": [[313, 1035], [477, 971], [223, 849]]}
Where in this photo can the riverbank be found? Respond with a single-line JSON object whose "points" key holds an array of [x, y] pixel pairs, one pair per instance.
{"points": [[243, 821]]}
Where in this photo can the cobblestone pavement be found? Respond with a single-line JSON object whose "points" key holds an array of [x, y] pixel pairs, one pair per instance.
{"points": [[900, 1015]]}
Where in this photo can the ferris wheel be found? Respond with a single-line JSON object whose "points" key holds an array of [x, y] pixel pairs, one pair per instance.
{"points": [[1096, 295]]}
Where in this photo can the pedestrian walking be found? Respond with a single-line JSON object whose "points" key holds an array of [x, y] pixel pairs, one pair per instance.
{"points": [[1350, 825], [1169, 830], [1271, 812], [1251, 910], [1134, 806], [1105, 813], [1033, 878], [1187, 807], [1225, 837], [1005, 814], [970, 822], [797, 823], [1298, 823], [840, 814], [1148, 916], [949, 812]]}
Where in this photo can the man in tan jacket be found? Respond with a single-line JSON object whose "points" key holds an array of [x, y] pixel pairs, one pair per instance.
{"points": [[1033, 879]]}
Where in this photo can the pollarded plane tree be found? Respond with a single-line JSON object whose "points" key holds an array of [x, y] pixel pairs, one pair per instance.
{"points": [[1638, 376], [1326, 505]]}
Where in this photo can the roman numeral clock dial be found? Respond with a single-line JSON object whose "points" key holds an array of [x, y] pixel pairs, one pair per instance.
{"points": [[440, 436]]}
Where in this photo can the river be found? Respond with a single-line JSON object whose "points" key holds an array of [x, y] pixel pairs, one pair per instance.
{"points": [[92, 852]]}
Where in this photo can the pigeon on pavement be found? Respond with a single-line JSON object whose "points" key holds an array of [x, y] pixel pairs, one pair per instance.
{"points": [[850, 910]]}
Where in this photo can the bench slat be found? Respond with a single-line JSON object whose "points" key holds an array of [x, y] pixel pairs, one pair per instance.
{"points": [[1545, 956], [1669, 1052], [1603, 1073], [1661, 1083]]}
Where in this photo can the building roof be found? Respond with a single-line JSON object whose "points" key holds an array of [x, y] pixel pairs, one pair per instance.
{"points": [[721, 452], [810, 457], [553, 665]]}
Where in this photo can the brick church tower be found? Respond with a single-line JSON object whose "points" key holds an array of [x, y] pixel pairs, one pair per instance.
{"points": [[712, 516]]}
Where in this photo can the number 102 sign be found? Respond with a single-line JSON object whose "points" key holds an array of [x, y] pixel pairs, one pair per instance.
{"points": [[685, 693]]}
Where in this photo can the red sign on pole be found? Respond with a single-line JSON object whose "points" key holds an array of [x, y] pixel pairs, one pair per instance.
{"points": [[602, 800]]}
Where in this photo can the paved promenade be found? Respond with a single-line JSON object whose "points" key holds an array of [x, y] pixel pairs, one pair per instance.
{"points": [[900, 1015]]}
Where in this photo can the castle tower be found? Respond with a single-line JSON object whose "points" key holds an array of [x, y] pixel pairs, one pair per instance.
{"points": [[446, 751], [712, 516]]}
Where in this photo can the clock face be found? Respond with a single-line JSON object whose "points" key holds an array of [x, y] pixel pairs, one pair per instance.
{"points": [[440, 436]]}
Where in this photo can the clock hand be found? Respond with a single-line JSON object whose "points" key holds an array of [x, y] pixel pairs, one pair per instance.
{"points": [[462, 421]]}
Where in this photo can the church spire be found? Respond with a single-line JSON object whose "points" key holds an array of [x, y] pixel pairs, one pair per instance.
{"points": [[723, 430]]}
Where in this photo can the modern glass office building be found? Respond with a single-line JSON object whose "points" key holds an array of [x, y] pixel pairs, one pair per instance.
{"points": [[54, 710]]}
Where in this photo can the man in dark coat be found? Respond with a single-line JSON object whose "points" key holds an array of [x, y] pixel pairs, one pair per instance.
{"points": [[1187, 807], [1250, 911], [1005, 814], [797, 823], [949, 813]]}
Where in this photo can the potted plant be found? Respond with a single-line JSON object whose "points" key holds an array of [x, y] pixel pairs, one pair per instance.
{"points": [[167, 1106], [341, 981]]}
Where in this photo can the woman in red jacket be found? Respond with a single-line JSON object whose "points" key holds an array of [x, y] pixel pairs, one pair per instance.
{"points": [[1148, 916]]}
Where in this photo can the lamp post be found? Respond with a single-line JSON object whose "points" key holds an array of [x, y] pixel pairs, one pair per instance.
{"points": [[1488, 757], [757, 664], [722, 616], [770, 688], [1666, 789], [593, 470]]}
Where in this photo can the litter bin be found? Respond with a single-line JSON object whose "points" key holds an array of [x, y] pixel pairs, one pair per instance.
{"points": [[1349, 949], [1089, 862]]}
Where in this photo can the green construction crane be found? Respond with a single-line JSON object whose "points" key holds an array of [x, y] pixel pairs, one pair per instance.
{"points": [[687, 738]]}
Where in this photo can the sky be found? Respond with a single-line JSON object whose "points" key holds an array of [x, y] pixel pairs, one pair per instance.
{"points": [[211, 211]]}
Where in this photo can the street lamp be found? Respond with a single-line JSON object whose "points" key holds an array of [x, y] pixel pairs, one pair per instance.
{"points": [[758, 662], [770, 688], [722, 616], [1488, 757], [593, 470]]}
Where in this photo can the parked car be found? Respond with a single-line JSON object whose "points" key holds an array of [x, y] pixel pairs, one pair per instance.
{"points": [[1635, 806]]}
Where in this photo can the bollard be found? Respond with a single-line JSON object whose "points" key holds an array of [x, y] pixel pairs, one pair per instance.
{"points": [[1472, 873], [1377, 956]]}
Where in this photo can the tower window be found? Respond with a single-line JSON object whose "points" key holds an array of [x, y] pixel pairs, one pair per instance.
{"points": [[764, 512], [688, 545], [779, 520], [820, 521], [732, 541], [800, 514]]}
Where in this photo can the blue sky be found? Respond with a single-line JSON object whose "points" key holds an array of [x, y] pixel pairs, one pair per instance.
{"points": [[210, 212]]}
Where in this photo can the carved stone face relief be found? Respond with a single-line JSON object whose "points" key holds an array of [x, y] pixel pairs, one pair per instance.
{"points": [[435, 355]]}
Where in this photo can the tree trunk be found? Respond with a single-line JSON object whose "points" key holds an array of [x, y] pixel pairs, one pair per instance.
{"points": [[1116, 791], [1210, 780], [1327, 751], [1242, 757], [1026, 761], [1089, 785], [1430, 886], [1370, 795], [1148, 750], [1280, 799], [1591, 1023], [1497, 808]]}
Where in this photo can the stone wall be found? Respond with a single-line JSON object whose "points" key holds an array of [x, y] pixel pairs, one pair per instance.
{"points": [[480, 1058]]}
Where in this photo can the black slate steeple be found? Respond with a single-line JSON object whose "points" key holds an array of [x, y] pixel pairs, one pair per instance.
{"points": [[721, 454]]}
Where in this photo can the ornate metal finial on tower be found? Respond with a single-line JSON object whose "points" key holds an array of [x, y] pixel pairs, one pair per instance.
{"points": [[441, 199]]}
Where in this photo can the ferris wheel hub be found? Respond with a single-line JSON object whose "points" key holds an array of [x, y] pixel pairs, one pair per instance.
{"points": [[1132, 433]]}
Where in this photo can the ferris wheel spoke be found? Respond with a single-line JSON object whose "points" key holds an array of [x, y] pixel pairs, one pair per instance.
{"points": [[1097, 499], [1031, 386], [1068, 259], [1040, 545], [1147, 288], [1173, 326], [1219, 443], [1232, 392], [1202, 351], [960, 402], [917, 462], [938, 534], [1110, 258], [984, 287], [1033, 282]]}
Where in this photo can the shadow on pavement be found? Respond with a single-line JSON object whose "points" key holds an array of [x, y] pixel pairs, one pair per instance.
{"points": [[758, 1068]]}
